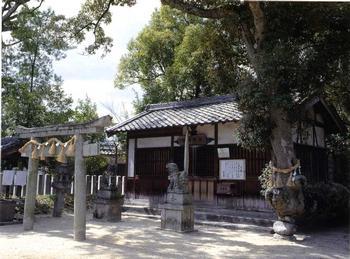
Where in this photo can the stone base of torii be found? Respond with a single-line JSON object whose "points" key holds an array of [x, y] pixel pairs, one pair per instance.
{"points": [[77, 130]]}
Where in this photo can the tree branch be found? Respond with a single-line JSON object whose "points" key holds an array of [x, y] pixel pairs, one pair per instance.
{"points": [[249, 41], [11, 10], [195, 9], [259, 22], [95, 24], [10, 44], [103, 14]]}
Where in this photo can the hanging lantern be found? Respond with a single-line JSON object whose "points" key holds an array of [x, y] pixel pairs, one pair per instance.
{"points": [[61, 156]]}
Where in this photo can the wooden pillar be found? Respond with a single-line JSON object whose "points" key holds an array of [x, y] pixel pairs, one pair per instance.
{"points": [[172, 149], [29, 205], [79, 191], [186, 153]]}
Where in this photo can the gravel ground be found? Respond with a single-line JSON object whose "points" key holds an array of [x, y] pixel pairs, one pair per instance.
{"points": [[137, 237]]}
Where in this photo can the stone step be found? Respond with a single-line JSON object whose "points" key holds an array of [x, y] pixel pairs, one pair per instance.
{"points": [[213, 215], [235, 226]]}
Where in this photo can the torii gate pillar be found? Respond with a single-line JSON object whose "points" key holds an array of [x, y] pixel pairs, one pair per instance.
{"points": [[29, 205], [79, 191]]}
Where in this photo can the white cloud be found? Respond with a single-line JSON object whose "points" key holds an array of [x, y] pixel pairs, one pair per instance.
{"points": [[103, 93]]}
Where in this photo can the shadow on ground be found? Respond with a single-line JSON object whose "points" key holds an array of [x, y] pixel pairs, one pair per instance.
{"points": [[137, 237]]}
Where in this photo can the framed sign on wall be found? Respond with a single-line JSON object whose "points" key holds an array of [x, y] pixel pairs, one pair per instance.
{"points": [[232, 169], [224, 152]]}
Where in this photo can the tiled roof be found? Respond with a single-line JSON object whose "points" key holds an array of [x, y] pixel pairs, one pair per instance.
{"points": [[184, 113], [10, 145]]}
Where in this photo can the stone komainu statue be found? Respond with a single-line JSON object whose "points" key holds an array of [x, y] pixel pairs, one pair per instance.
{"points": [[178, 180]]}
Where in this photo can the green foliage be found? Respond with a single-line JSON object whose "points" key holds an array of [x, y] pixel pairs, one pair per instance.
{"points": [[178, 56], [85, 111], [69, 201], [43, 204], [326, 203], [308, 59], [265, 179], [31, 92], [96, 165], [338, 143], [92, 15]]}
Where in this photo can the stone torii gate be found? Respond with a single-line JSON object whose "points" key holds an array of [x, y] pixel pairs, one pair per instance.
{"points": [[70, 129]]}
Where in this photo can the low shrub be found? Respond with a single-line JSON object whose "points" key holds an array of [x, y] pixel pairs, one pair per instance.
{"points": [[69, 201], [43, 204], [326, 203]]}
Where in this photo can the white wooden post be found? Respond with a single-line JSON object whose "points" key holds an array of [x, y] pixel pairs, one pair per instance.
{"points": [[37, 183], [29, 205], [45, 180], [99, 182], [14, 191], [51, 188], [79, 191], [22, 191], [109, 180], [92, 185], [123, 184], [72, 187]]}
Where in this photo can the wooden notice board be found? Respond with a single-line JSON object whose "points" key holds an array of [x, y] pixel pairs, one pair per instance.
{"points": [[232, 169]]}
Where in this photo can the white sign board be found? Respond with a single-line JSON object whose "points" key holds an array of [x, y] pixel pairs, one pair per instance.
{"points": [[232, 169], [224, 152], [20, 178]]}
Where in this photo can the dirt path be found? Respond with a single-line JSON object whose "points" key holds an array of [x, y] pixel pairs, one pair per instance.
{"points": [[141, 238]]}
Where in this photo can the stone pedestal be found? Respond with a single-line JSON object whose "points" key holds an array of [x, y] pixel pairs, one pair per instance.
{"points": [[58, 205], [284, 228], [178, 213], [108, 205]]}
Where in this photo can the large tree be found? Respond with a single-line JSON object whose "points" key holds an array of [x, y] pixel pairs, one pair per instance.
{"points": [[179, 56], [295, 51], [31, 92]]}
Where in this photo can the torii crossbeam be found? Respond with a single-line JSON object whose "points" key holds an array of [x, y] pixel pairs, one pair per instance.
{"points": [[69, 129]]}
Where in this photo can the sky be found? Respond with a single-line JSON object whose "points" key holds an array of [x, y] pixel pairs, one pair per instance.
{"points": [[93, 76]]}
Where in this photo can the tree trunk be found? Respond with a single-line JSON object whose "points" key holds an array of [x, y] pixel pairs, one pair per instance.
{"points": [[281, 140], [31, 87]]}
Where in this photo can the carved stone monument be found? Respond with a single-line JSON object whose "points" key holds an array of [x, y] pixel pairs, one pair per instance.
{"points": [[177, 212], [108, 203]]}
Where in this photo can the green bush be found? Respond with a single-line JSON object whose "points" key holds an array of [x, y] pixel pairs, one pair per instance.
{"points": [[326, 203], [43, 204], [69, 201], [265, 179]]}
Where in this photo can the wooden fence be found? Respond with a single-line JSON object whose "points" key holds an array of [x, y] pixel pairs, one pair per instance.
{"points": [[44, 185]]}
